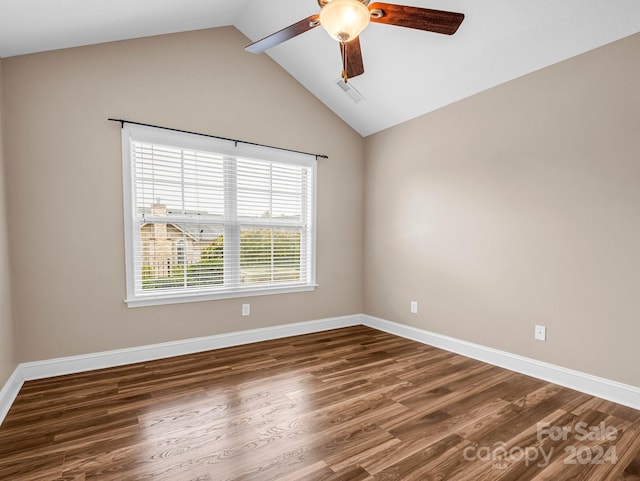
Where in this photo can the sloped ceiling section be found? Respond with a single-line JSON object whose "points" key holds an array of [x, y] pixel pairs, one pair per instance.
{"points": [[407, 72]]}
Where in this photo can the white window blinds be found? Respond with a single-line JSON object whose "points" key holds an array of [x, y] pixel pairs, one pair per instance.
{"points": [[206, 219]]}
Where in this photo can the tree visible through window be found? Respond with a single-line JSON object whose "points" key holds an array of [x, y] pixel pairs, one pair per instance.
{"points": [[212, 220]]}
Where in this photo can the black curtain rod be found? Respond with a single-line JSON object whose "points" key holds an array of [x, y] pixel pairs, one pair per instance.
{"points": [[236, 141]]}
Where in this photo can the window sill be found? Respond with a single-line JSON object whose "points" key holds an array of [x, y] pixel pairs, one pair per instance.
{"points": [[160, 299]]}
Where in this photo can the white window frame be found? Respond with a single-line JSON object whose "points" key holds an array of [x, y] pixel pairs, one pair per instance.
{"points": [[135, 296]]}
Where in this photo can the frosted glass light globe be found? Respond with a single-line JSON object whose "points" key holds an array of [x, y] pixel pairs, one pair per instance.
{"points": [[344, 19]]}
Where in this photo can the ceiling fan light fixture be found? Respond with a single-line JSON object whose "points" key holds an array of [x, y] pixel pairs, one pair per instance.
{"points": [[344, 19]]}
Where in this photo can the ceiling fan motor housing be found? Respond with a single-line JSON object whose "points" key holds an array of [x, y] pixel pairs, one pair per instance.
{"points": [[322, 3]]}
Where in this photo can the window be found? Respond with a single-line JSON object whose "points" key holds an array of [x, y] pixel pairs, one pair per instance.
{"points": [[206, 219]]}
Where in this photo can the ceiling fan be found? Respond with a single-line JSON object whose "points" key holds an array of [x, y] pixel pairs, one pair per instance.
{"points": [[345, 19]]}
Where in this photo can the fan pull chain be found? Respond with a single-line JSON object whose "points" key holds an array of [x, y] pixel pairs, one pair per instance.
{"points": [[343, 51]]}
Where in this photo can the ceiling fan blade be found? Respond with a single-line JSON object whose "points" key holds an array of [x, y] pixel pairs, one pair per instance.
{"points": [[285, 34], [437, 21], [352, 58]]}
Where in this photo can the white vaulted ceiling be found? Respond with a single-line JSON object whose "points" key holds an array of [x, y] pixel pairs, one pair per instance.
{"points": [[407, 72]]}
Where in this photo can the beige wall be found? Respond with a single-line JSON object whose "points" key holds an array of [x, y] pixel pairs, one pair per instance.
{"points": [[7, 327], [518, 206], [65, 184], [515, 207]]}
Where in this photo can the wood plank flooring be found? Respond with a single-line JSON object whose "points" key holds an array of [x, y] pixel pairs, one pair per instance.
{"points": [[352, 404]]}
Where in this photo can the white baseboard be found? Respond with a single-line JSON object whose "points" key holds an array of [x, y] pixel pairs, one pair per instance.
{"points": [[88, 362], [9, 392], [596, 386]]}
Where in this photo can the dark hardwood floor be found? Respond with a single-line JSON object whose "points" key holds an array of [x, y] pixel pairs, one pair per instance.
{"points": [[352, 404]]}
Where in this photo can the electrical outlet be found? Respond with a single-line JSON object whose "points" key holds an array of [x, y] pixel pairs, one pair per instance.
{"points": [[414, 307], [541, 333], [246, 309]]}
